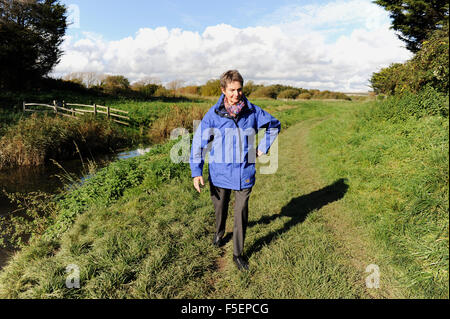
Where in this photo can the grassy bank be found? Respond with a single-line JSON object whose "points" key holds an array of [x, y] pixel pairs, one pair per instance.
{"points": [[396, 158]]}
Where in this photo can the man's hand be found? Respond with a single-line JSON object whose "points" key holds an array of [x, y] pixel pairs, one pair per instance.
{"points": [[259, 153], [197, 181]]}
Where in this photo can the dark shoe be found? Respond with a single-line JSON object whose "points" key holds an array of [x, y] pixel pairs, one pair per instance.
{"points": [[240, 262], [217, 241]]}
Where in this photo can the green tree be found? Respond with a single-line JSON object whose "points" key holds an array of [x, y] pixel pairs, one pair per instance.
{"points": [[115, 84], [250, 87], [211, 88], [270, 92], [385, 81], [31, 32], [289, 94], [428, 67], [416, 19], [432, 61]]}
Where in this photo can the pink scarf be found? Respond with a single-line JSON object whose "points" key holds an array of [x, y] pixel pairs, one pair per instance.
{"points": [[234, 110]]}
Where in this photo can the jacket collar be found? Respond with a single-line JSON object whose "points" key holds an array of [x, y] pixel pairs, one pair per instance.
{"points": [[221, 111]]}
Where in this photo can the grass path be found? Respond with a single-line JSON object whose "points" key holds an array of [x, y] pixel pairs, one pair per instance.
{"points": [[301, 242]]}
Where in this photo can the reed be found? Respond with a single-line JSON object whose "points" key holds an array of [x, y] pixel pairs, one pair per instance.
{"points": [[177, 117], [37, 139]]}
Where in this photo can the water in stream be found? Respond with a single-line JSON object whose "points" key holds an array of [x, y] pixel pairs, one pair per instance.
{"points": [[47, 178]]}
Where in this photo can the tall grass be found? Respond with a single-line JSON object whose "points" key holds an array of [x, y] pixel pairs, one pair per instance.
{"points": [[428, 102], [177, 118], [8, 118], [35, 140]]}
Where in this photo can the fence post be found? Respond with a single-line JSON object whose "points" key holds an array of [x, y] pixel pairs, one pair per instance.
{"points": [[24, 107], [54, 107], [107, 111], [95, 110]]}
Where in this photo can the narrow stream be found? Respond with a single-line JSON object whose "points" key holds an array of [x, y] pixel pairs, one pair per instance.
{"points": [[48, 178]]}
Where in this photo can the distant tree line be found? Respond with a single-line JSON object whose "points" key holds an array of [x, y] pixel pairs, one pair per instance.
{"points": [[151, 87], [275, 91]]}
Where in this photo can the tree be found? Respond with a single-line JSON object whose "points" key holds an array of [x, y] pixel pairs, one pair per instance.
{"points": [[386, 80], [211, 88], [250, 87], [87, 79], [428, 67], [146, 87], [289, 94], [31, 32], [174, 85], [115, 84], [270, 92], [416, 19]]}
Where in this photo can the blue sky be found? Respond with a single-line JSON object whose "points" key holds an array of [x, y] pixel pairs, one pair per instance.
{"points": [[327, 45], [118, 19]]}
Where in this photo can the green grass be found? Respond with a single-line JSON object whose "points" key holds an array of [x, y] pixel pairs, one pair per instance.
{"points": [[7, 119], [293, 253], [398, 176], [349, 191]]}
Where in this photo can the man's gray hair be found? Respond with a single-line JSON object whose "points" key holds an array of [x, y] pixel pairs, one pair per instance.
{"points": [[231, 76]]}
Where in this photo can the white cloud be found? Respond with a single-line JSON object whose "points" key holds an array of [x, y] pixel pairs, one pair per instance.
{"points": [[293, 47]]}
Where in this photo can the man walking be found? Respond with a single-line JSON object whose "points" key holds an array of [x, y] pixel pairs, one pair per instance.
{"points": [[227, 133]]}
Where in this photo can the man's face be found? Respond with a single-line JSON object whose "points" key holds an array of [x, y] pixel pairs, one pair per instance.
{"points": [[233, 92]]}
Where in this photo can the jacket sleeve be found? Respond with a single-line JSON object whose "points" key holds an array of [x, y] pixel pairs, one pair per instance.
{"points": [[272, 126], [198, 148]]}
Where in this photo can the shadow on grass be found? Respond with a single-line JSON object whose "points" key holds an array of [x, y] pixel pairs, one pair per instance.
{"points": [[298, 209]]}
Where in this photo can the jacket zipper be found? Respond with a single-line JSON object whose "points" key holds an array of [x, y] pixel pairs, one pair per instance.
{"points": [[235, 120]]}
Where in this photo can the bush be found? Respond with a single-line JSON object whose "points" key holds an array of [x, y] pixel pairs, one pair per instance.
{"points": [[289, 94], [428, 102], [250, 87], [304, 96], [270, 92], [211, 88], [111, 182], [193, 90], [431, 62], [161, 91], [115, 84], [330, 95], [146, 90], [429, 67]]}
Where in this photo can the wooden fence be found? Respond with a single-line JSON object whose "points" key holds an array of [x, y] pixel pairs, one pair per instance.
{"points": [[69, 110]]}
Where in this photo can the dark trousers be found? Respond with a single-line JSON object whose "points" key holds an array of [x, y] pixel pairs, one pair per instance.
{"points": [[221, 198]]}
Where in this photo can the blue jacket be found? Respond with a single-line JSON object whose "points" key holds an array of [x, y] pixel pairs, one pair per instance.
{"points": [[230, 143]]}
